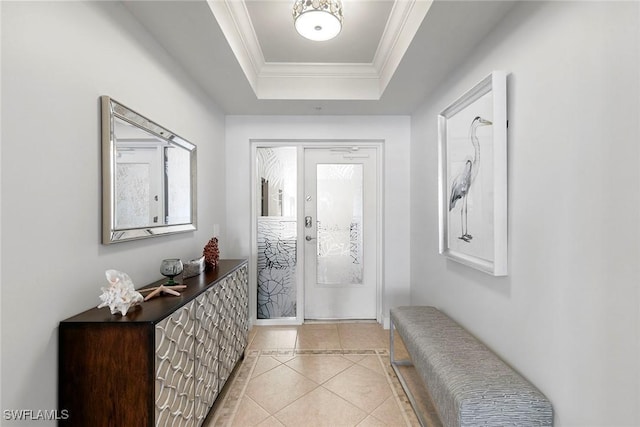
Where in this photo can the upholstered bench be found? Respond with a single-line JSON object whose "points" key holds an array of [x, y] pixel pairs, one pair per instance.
{"points": [[469, 385]]}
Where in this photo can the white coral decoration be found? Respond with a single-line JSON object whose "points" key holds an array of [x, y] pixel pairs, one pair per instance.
{"points": [[121, 295]]}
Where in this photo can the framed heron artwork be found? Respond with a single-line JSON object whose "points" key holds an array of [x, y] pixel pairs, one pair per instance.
{"points": [[472, 168]]}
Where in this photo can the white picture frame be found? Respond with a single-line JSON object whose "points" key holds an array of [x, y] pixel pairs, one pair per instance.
{"points": [[472, 177]]}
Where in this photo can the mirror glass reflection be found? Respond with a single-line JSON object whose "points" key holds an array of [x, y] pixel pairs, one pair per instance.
{"points": [[149, 177]]}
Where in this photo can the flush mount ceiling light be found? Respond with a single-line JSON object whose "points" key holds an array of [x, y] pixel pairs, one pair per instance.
{"points": [[318, 20]]}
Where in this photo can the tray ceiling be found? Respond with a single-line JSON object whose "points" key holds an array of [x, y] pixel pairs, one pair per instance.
{"points": [[246, 55], [358, 64]]}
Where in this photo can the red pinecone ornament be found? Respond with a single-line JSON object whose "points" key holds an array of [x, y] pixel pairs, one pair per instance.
{"points": [[211, 254]]}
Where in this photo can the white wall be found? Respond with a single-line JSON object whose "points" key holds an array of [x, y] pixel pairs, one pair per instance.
{"points": [[566, 317], [394, 130], [57, 59]]}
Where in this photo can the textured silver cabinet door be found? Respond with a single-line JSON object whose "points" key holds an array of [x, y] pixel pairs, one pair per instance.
{"points": [[233, 320], [240, 301], [197, 347], [207, 341], [226, 325], [174, 384]]}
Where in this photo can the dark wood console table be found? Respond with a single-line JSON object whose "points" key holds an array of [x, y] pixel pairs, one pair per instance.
{"points": [[164, 363]]}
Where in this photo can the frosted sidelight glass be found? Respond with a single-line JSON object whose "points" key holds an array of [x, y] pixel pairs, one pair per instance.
{"points": [[277, 232], [133, 198], [339, 222]]}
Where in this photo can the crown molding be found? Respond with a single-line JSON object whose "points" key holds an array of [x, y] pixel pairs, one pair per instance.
{"points": [[347, 81], [308, 69], [403, 24], [235, 23]]}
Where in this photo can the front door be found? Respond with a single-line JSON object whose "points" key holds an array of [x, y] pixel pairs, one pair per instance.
{"points": [[340, 233]]}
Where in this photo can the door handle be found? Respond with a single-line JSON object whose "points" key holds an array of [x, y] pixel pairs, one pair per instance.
{"points": [[309, 238]]}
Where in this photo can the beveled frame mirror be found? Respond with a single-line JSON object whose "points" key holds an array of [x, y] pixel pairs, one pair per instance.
{"points": [[148, 177]]}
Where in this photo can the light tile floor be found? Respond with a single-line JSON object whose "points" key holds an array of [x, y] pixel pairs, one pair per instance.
{"points": [[316, 374]]}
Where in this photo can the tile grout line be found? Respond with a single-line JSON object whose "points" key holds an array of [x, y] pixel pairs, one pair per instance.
{"points": [[244, 388], [236, 405], [340, 352], [393, 390], [230, 410]]}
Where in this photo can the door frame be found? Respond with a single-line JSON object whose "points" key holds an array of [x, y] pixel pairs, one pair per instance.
{"points": [[301, 144]]}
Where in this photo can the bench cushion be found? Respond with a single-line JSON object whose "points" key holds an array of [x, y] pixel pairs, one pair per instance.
{"points": [[469, 384]]}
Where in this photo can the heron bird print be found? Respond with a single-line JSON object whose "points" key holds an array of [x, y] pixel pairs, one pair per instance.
{"points": [[462, 183]]}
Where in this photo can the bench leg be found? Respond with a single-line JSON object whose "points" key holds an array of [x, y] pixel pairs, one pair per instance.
{"points": [[392, 351], [405, 362]]}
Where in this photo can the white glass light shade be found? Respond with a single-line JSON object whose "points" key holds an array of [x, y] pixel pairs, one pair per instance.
{"points": [[318, 20]]}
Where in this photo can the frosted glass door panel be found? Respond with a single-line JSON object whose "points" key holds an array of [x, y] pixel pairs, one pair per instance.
{"points": [[339, 224], [132, 197], [138, 190]]}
